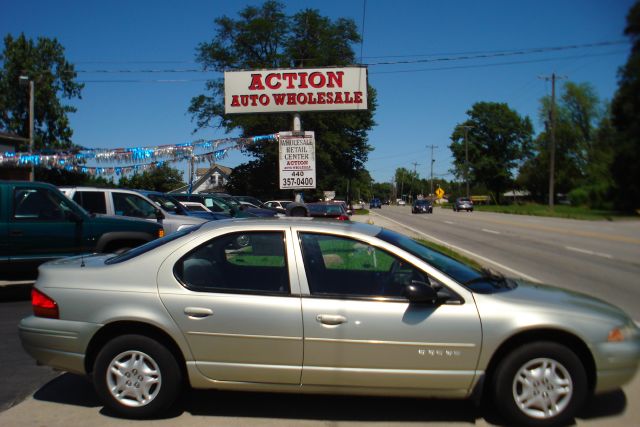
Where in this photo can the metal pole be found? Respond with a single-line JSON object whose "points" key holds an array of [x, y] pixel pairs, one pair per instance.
{"points": [[31, 124], [466, 157], [552, 148], [432, 161]]}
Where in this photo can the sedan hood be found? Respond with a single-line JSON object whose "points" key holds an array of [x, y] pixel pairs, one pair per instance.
{"points": [[551, 298]]}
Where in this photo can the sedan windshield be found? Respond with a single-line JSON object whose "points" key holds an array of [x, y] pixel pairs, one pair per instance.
{"points": [[458, 271]]}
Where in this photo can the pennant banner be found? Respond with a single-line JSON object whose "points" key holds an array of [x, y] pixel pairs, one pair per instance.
{"points": [[155, 156]]}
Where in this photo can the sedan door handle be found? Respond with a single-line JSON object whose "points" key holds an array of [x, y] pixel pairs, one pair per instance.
{"points": [[15, 233], [198, 312], [331, 319]]}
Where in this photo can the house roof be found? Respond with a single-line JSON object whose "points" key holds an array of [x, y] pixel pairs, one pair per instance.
{"points": [[204, 174]]}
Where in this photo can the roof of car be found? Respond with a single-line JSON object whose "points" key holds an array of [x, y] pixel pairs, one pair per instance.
{"points": [[368, 229]]}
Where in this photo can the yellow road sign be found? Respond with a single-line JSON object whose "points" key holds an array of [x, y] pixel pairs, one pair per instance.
{"points": [[439, 193]]}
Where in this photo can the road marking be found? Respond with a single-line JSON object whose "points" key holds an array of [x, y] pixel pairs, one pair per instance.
{"points": [[588, 252], [490, 231], [458, 248], [597, 235], [450, 222]]}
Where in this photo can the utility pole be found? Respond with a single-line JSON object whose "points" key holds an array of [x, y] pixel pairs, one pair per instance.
{"points": [[31, 121], [432, 161], [415, 164], [552, 141], [466, 156]]}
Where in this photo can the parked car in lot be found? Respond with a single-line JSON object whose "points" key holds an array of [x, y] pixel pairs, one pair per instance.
{"points": [[328, 210], [463, 204], [401, 202], [38, 223], [422, 206], [278, 204], [237, 203], [375, 204], [300, 305], [214, 203], [120, 202], [175, 207]]}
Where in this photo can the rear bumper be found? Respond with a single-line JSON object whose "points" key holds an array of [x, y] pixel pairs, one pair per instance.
{"points": [[60, 344]]}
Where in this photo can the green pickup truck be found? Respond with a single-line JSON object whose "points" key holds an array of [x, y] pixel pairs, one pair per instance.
{"points": [[38, 223]]}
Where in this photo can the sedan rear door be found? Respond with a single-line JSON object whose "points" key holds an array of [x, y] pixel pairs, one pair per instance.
{"points": [[234, 302]]}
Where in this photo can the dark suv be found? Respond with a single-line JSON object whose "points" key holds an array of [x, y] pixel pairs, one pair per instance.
{"points": [[38, 223], [422, 206], [375, 203]]}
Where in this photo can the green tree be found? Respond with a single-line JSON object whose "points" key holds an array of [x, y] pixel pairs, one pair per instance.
{"points": [[626, 120], [54, 78], [265, 37], [498, 138], [161, 178], [583, 148]]}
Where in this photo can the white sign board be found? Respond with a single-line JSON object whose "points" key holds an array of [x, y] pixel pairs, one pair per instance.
{"points": [[297, 160], [295, 90]]}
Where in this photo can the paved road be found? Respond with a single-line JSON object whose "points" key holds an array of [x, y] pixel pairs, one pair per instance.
{"points": [[600, 258]]}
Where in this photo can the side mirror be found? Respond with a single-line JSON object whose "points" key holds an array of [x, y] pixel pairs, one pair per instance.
{"points": [[159, 215], [421, 292]]}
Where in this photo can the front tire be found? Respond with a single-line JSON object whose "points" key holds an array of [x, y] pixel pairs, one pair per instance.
{"points": [[136, 376], [540, 384]]}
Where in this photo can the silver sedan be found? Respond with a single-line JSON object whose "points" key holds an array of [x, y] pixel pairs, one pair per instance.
{"points": [[305, 305]]}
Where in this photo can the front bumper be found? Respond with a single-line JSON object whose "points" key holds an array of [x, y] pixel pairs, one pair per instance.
{"points": [[617, 363], [60, 344]]}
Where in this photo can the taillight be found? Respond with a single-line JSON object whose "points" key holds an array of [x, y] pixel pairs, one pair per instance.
{"points": [[43, 305], [343, 218]]}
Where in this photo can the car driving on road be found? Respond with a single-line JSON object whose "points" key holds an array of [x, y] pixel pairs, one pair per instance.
{"points": [[463, 204], [313, 306], [422, 206]]}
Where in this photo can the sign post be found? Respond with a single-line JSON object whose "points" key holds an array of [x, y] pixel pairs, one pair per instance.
{"points": [[297, 160]]}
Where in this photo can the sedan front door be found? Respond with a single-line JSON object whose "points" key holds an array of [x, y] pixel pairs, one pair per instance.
{"points": [[361, 332]]}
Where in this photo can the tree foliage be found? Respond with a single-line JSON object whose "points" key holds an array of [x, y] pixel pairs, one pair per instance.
{"points": [[626, 120], [584, 147], [497, 140], [161, 178], [44, 63], [265, 37]]}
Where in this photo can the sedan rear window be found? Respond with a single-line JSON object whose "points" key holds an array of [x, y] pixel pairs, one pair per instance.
{"points": [[139, 250]]}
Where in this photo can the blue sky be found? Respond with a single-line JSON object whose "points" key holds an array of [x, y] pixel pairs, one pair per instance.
{"points": [[419, 104]]}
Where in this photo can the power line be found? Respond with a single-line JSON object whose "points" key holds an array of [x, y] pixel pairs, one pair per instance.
{"points": [[496, 64], [481, 55], [504, 53]]}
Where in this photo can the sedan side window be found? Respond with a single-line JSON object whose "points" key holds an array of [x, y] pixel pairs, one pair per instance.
{"points": [[251, 262], [337, 265]]}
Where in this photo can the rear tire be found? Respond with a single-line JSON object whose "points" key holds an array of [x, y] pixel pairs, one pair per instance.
{"points": [[540, 384], [136, 376]]}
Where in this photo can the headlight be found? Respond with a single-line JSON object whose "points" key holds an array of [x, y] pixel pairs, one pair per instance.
{"points": [[623, 333]]}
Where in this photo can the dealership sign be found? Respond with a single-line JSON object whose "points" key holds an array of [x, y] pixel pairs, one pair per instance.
{"points": [[295, 90], [297, 160]]}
